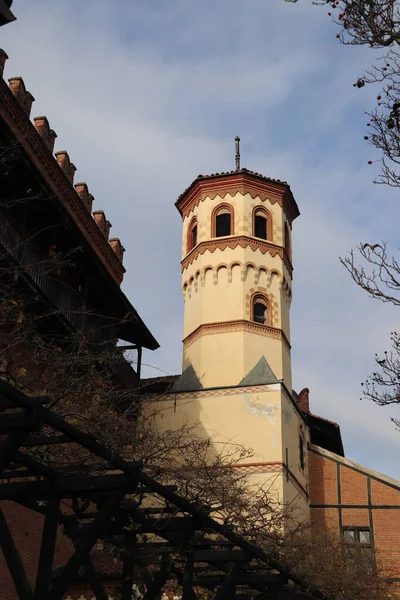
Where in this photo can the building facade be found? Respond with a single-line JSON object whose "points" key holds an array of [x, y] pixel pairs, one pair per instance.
{"points": [[236, 382]]}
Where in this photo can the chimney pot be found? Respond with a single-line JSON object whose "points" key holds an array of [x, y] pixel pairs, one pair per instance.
{"points": [[3, 58], [100, 220], [65, 164], [18, 89], [90, 202], [29, 99], [118, 248], [83, 193], [107, 229], [304, 401], [43, 128], [51, 140]]}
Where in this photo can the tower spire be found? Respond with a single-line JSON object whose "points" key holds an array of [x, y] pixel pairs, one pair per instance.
{"points": [[237, 155]]}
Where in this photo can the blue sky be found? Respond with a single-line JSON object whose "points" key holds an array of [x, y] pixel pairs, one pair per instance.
{"points": [[146, 95]]}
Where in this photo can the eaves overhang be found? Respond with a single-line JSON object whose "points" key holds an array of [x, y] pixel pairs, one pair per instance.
{"points": [[243, 181]]}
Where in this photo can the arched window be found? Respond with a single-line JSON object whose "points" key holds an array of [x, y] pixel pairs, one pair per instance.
{"points": [[287, 240], [222, 221], [260, 309], [262, 223], [192, 235]]}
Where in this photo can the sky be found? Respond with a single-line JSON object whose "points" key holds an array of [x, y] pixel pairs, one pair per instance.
{"points": [[144, 96]]}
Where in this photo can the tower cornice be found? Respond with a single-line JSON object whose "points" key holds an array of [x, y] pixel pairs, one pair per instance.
{"points": [[233, 182], [234, 241], [236, 325]]}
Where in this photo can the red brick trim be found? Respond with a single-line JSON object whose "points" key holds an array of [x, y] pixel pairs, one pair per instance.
{"points": [[233, 242], [56, 179], [243, 183], [238, 325], [276, 466]]}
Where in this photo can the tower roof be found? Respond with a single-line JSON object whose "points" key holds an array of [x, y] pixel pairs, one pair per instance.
{"points": [[244, 181]]}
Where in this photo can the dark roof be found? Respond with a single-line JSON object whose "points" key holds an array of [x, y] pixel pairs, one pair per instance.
{"points": [[157, 385], [325, 433], [187, 382], [260, 374]]}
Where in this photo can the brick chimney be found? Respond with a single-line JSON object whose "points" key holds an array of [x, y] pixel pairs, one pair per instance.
{"points": [[118, 248], [303, 402], [65, 164], [83, 193], [23, 97], [43, 128], [3, 58]]}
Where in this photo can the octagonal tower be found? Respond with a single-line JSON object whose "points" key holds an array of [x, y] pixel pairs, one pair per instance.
{"points": [[237, 277]]}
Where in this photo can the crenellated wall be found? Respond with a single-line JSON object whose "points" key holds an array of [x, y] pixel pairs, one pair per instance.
{"points": [[57, 170]]}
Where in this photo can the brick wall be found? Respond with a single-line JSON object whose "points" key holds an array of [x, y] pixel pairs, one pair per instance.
{"points": [[344, 494], [26, 528]]}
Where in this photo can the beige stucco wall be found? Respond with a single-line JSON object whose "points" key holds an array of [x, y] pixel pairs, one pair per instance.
{"points": [[223, 345], [224, 359], [260, 418], [217, 288], [243, 205]]}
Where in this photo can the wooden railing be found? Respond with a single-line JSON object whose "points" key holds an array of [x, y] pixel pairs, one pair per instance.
{"points": [[38, 268]]}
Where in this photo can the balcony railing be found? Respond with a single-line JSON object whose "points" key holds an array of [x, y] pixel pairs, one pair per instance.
{"points": [[38, 269]]}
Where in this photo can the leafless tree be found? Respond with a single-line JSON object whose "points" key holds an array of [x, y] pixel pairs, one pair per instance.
{"points": [[376, 24]]}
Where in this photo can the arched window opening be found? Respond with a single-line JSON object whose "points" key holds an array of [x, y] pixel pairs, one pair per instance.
{"points": [[192, 235], [260, 310], [287, 240], [222, 222], [260, 225]]}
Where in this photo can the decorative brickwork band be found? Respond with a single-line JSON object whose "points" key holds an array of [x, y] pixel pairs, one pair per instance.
{"points": [[242, 182], [238, 325], [233, 242], [273, 467]]}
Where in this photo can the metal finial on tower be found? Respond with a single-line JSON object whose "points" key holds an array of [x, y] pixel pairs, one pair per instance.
{"points": [[237, 155]]}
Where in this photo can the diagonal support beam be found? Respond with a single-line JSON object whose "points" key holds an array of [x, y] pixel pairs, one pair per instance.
{"points": [[84, 546], [94, 580], [228, 585], [158, 581], [92, 575], [128, 568], [13, 561], [10, 445], [49, 538], [273, 591], [187, 580]]}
